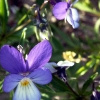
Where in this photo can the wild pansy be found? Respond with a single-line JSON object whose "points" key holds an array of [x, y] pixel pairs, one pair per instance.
{"points": [[59, 68], [24, 73], [64, 10]]}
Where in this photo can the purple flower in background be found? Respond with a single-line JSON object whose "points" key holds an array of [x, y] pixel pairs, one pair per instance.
{"points": [[95, 95], [25, 73], [63, 10], [59, 68]]}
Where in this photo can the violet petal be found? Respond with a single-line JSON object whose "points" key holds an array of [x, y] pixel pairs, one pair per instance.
{"points": [[52, 2], [11, 81], [73, 18], [75, 14], [95, 95], [51, 66], [12, 60], [60, 10], [39, 55], [41, 76]]}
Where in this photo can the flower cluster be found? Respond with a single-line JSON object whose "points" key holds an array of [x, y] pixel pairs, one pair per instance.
{"points": [[24, 73]]}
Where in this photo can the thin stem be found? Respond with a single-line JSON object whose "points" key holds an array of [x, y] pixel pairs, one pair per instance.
{"points": [[93, 86], [17, 29], [72, 89], [45, 2]]}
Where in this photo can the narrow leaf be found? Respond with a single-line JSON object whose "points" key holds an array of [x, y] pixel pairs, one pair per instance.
{"points": [[4, 13], [88, 82]]}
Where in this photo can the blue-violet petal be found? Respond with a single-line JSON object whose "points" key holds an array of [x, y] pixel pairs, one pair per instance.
{"points": [[41, 76], [12, 60], [39, 55], [11, 81], [60, 10]]}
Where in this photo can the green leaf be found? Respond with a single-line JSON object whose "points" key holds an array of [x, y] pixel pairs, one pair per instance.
{"points": [[15, 37], [59, 86], [54, 96], [57, 56], [97, 26], [1, 82], [75, 40], [99, 4], [85, 7], [11, 95], [63, 36], [4, 13], [23, 37], [81, 71], [88, 82], [56, 44]]}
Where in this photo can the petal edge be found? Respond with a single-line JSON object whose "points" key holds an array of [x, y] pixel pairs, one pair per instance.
{"points": [[39, 55], [12, 60], [41, 76], [11, 81]]}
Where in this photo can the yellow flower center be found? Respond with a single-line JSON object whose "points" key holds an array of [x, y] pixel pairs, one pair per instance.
{"points": [[25, 82]]}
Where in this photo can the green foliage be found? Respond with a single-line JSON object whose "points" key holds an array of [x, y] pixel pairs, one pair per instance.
{"points": [[4, 13], [88, 82]]}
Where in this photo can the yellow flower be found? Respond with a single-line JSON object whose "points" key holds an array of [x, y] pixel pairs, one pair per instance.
{"points": [[71, 56]]}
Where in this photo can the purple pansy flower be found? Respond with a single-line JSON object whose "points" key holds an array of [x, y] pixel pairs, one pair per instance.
{"points": [[95, 95], [63, 10], [24, 74], [59, 68]]}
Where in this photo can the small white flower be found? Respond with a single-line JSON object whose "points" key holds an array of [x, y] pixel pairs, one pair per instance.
{"points": [[52, 65]]}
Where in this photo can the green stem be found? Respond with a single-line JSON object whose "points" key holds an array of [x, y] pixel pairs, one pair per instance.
{"points": [[72, 89]]}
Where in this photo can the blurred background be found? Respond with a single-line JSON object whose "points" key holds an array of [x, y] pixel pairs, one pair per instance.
{"points": [[82, 45]]}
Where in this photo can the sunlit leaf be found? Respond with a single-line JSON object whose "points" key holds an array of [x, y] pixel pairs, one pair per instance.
{"points": [[97, 26], [4, 13], [84, 69], [64, 36]]}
